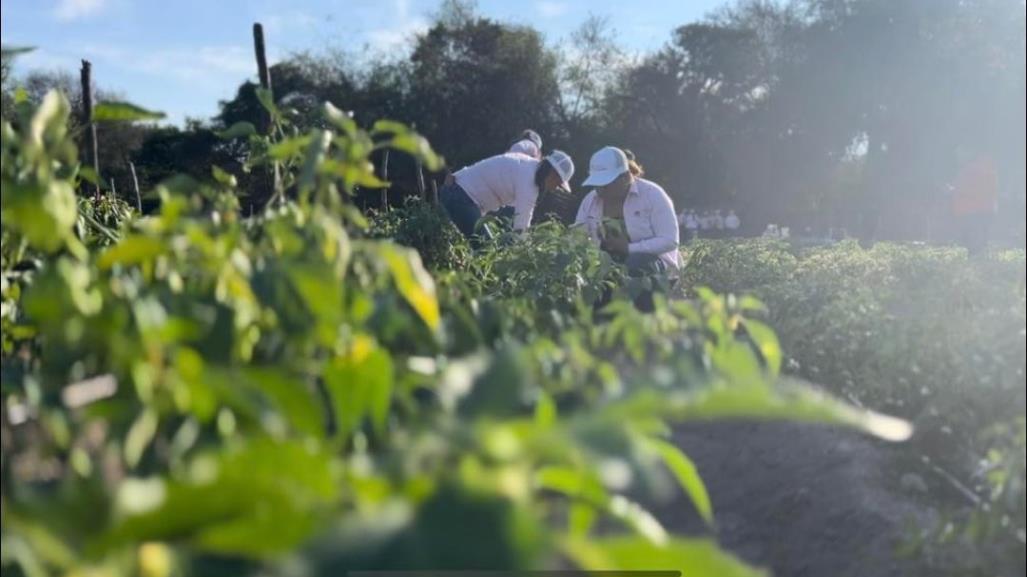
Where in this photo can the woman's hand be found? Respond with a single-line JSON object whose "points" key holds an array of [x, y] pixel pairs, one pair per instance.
{"points": [[615, 245]]}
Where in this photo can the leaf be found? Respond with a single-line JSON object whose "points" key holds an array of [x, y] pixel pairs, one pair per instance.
{"points": [[89, 175], [290, 147], [257, 500], [360, 383], [687, 475], [417, 146], [412, 281], [766, 341], [115, 111], [340, 119], [241, 129], [692, 557], [313, 158], [131, 250], [291, 396], [267, 100], [12, 51], [139, 436], [222, 176], [790, 400]]}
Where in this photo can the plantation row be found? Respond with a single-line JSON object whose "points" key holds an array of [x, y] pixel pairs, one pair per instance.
{"points": [[291, 393]]}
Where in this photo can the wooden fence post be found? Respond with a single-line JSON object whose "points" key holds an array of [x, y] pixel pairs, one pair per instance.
{"points": [[264, 76], [135, 186], [385, 177], [92, 150]]}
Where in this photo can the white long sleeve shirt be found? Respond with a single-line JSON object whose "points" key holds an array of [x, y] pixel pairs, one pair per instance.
{"points": [[504, 180], [649, 220]]}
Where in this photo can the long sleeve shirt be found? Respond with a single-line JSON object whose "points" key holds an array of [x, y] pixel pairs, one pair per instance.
{"points": [[500, 181], [649, 219]]}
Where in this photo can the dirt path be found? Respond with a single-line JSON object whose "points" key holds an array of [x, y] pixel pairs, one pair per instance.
{"points": [[801, 500]]}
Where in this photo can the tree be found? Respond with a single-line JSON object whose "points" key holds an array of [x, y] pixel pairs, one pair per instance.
{"points": [[475, 83]]}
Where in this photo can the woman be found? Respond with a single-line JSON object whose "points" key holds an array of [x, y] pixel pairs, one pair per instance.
{"points": [[512, 179], [632, 218], [529, 142]]}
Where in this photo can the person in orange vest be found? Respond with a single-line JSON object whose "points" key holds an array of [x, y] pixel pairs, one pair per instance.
{"points": [[974, 202]]}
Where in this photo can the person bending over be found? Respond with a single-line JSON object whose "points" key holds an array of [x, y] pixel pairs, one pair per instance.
{"points": [[508, 180]]}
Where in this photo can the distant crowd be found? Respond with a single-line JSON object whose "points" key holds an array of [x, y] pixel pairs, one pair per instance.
{"points": [[708, 224]]}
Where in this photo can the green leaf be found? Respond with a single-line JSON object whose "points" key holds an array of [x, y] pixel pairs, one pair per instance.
{"points": [[114, 111], [692, 557], [291, 396], [412, 281], [241, 129], [139, 436], [12, 51], [131, 250], [257, 500], [89, 175], [340, 119], [417, 146], [290, 147], [224, 177], [687, 475], [766, 341], [790, 400], [314, 156], [360, 383], [267, 100]]}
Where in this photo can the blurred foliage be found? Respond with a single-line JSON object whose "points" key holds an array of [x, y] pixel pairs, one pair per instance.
{"points": [[924, 332], [199, 392]]}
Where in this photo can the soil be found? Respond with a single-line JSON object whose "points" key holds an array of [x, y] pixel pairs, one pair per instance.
{"points": [[803, 500]]}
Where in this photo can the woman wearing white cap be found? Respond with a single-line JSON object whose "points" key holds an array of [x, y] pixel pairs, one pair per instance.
{"points": [[512, 179], [529, 142], [650, 239]]}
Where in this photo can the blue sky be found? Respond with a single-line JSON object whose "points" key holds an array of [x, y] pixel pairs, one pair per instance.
{"points": [[182, 57]]}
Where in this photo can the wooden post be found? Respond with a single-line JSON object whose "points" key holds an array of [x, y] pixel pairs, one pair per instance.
{"points": [[92, 151], [263, 73], [422, 191], [385, 177], [135, 186], [264, 76]]}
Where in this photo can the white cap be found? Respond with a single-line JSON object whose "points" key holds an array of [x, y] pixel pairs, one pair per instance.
{"points": [[526, 147], [563, 164], [605, 166], [533, 137]]}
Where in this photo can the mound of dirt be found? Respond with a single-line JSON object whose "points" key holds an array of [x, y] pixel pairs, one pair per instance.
{"points": [[802, 500]]}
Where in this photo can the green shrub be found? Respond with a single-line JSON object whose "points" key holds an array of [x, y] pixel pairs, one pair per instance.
{"points": [[204, 393]]}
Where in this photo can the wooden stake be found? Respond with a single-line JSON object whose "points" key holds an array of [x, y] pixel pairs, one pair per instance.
{"points": [[92, 150], [135, 186], [263, 73], [264, 76], [385, 177]]}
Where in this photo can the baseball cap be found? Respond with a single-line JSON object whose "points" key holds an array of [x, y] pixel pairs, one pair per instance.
{"points": [[605, 166], [563, 164]]}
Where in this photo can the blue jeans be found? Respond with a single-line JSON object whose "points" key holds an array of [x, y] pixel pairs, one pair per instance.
{"points": [[464, 213]]}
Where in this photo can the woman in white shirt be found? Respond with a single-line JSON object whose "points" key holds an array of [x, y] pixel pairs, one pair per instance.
{"points": [[512, 179], [649, 222]]}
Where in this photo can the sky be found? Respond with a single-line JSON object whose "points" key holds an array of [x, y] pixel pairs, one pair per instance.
{"points": [[183, 57]]}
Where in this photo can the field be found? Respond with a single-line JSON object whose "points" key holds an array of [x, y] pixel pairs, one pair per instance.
{"points": [[311, 389]]}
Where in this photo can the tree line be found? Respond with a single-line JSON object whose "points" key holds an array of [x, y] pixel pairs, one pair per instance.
{"points": [[854, 114]]}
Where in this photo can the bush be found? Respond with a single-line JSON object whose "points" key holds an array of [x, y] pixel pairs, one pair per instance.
{"points": [[207, 393]]}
